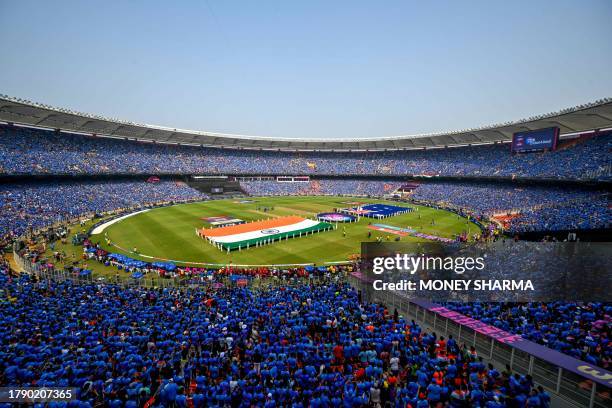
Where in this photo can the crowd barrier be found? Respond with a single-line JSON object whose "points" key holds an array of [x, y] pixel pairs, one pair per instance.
{"points": [[577, 382], [60, 275], [153, 280]]}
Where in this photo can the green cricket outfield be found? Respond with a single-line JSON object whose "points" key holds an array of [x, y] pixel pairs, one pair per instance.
{"points": [[168, 233]]}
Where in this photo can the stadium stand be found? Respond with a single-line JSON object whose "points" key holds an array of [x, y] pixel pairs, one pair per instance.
{"points": [[34, 151], [31, 206], [534, 208], [375, 188]]}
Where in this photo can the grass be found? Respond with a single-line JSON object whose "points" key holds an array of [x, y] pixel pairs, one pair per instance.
{"points": [[169, 233]]}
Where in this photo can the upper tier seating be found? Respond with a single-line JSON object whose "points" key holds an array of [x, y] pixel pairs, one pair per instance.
{"points": [[33, 151]]}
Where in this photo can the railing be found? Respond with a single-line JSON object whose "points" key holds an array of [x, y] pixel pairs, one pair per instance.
{"points": [[600, 173], [152, 280], [59, 275], [591, 389]]}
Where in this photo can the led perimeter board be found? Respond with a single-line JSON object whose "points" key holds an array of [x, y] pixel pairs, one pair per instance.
{"points": [[541, 139]]}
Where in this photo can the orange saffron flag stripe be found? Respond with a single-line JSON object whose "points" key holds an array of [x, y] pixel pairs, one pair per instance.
{"points": [[252, 226]]}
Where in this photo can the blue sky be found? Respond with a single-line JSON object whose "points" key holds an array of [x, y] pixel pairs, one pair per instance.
{"points": [[308, 69]]}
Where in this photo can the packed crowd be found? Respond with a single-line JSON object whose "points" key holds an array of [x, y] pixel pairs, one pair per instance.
{"points": [[583, 330], [32, 151], [591, 213], [534, 208], [308, 346], [37, 205], [374, 188]]}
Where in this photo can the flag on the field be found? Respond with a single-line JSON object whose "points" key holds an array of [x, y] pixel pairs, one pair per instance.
{"points": [[256, 233]]}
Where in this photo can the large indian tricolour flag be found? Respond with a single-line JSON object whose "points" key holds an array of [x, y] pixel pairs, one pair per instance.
{"points": [[263, 232]]}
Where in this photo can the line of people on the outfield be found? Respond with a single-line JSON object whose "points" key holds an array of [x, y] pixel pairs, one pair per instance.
{"points": [[127, 264]]}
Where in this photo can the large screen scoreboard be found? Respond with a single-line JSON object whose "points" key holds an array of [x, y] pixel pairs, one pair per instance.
{"points": [[541, 139]]}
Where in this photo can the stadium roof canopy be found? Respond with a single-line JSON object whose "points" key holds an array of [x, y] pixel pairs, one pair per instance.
{"points": [[595, 115]]}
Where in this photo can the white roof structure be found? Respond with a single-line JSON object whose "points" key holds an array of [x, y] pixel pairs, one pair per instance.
{"points": [[591, 116]]}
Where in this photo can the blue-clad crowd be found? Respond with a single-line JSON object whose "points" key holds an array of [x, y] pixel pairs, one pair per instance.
{"points": [[582, 330], [375, 188], [33, 151], [37, 205], [532, 208], [307, 346], [592, 212]]}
